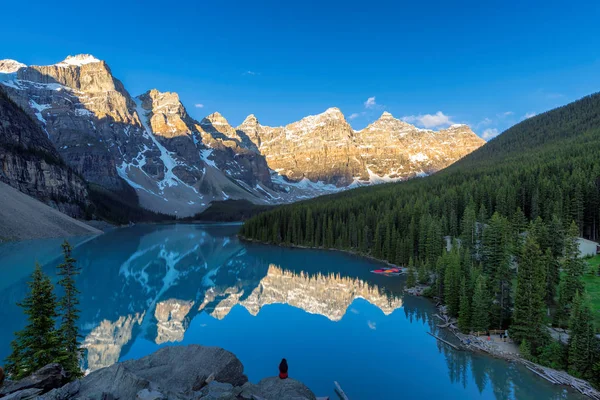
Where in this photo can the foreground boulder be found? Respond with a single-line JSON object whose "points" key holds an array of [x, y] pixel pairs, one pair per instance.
{"points": [[182, 373], [43, 380], [273, 388]]}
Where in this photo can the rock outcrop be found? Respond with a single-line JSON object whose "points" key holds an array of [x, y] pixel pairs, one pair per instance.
{"points": [[45, 379], [30, 163], [191, 372]]}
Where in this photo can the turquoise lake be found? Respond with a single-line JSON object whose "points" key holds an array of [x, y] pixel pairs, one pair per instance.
{"points": [[149, 286]]}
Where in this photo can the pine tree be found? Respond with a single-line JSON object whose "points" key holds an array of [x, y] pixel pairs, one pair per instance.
{"points": [[37, 344], [528, 317], [69, 313], [452, 278], [525, 350], [464, 313], [423, 274], [581, 338], [468, 234], [411, 280], [496, 263], [552, 276], [480, 317], [571, 282]]}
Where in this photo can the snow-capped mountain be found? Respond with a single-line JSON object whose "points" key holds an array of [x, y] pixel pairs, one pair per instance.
{"points": [[178, 165]]}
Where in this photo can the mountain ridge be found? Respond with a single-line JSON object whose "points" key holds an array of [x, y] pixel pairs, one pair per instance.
{"points": [[178, 165]]}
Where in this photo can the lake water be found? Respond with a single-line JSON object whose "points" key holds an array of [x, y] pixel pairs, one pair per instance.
{"points": [[150, 286]]}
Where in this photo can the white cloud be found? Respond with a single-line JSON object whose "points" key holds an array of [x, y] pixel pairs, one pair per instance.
{"points": [[372, 325], [486, 121], [489, 133], [199, 105], [250, 73], [370, 103], [429, 120], [529, 115], [356, 115], [507, 113]]}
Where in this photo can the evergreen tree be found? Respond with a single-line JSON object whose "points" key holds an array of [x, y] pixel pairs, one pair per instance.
{"points": [[69, 313], [480, 317], [38, 343], [581, 338], [468, 236], [496, 263], [423, 274], [552, 276], [552, 355], [411, 279], [528, 317], [571, 282], [464, 313], [452, 279], [525, 350]]}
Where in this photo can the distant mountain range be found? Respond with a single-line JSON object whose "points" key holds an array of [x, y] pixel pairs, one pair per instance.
{"points": [[178, 165]]}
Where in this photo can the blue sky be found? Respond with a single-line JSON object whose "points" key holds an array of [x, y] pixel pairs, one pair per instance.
{"points": [[485, 63]]}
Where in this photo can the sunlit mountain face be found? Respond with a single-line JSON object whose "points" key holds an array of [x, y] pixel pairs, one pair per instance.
{"points": [[149, 286]]}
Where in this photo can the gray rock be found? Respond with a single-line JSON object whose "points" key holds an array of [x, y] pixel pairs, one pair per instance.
{"points": [[115, 381], [146, 394], [181, 367], [46, 378], [218, 391], [171, 372], [274, 388], [179, 373], [26, 394]]}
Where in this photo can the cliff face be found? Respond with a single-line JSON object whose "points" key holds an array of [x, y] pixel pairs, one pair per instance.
{"points": [[30, 163], [325, 148]]}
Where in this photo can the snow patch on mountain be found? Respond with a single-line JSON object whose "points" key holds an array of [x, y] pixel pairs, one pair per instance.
{"points": [[9, 66], [78, 60]]}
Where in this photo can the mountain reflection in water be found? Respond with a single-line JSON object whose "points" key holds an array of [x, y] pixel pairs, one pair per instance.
{"points": [[149, 286]]}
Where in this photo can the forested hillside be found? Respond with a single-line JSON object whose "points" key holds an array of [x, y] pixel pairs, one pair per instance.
{"points": [[547, 166], [521, 199]]}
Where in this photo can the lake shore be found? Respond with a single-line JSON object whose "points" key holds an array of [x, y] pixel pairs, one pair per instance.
{"points": [[295, 246], [473, 343]]}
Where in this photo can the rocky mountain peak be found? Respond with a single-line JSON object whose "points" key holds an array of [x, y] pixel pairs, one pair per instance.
{"points": [[78, 60], [250, 120], [333, 112], [388, 123], [9, 66], [215, 119], [154, 99]]}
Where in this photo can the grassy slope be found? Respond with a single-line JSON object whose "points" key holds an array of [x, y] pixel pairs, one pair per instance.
{"points": [[592, 287]]}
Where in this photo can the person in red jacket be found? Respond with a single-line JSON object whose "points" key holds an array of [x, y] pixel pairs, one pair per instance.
{"points": [[283, 369]]}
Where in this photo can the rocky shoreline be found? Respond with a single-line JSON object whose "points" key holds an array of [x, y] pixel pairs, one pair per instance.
{"points": [[509, 353], [191, 372]]}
